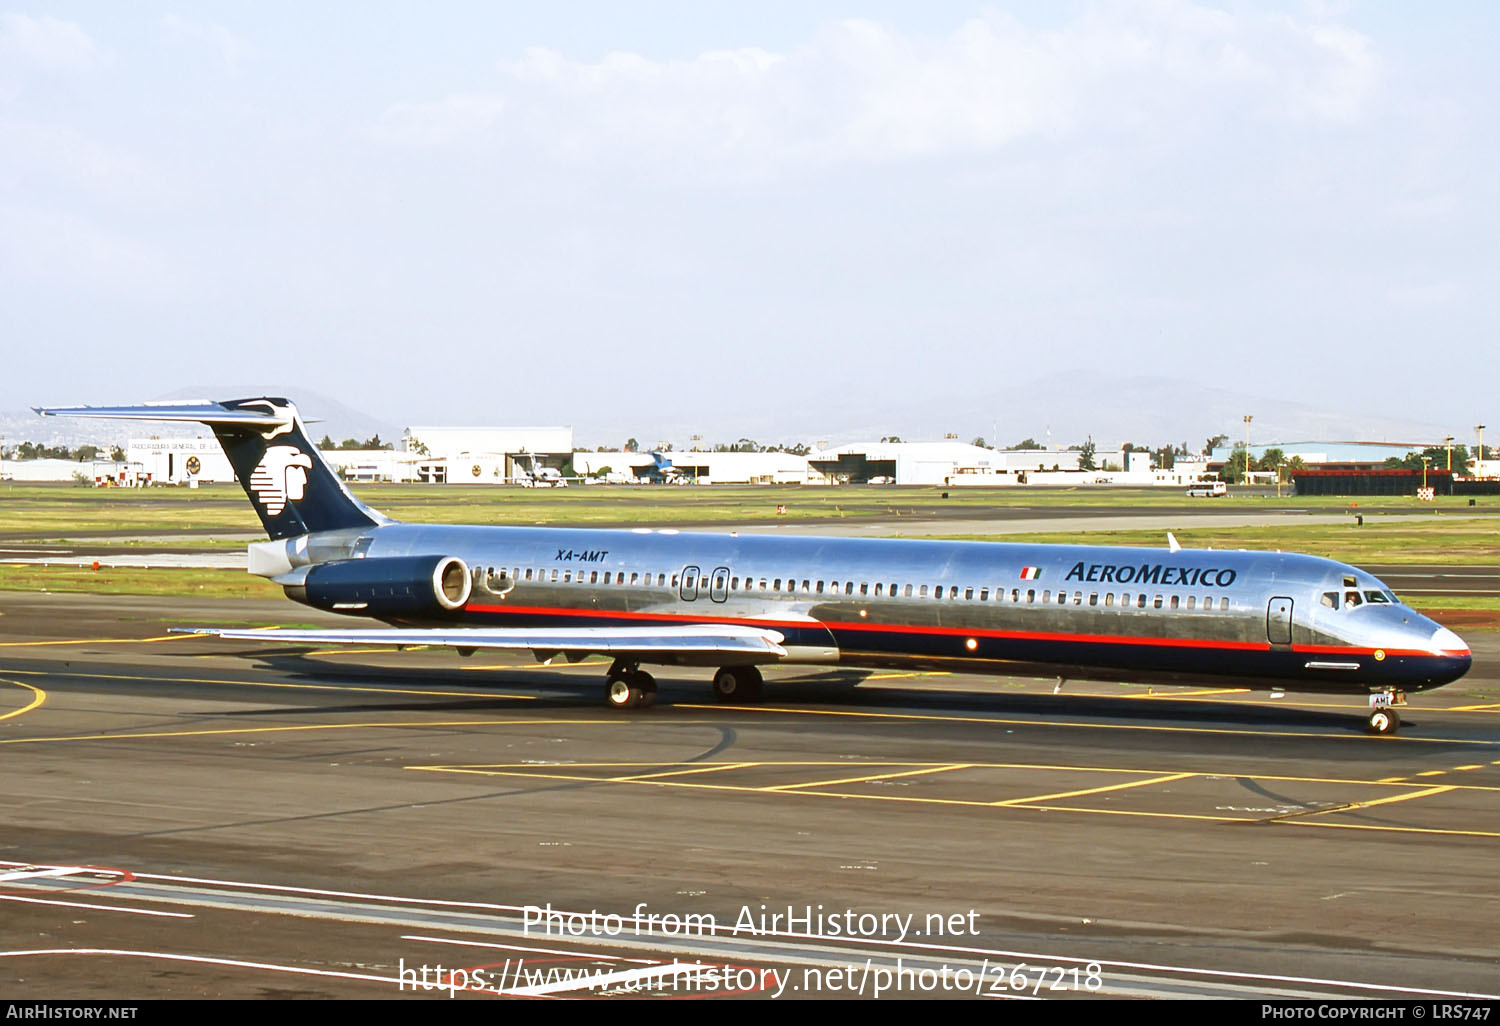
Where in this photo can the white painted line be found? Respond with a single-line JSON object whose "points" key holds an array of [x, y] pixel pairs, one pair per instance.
{"points": [[101, 908], [521, 947], [1031, 957], [203, 959], [38, 873]]}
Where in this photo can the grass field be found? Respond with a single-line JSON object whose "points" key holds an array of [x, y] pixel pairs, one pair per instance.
{"points": [[1452, 533], [66, 511]]}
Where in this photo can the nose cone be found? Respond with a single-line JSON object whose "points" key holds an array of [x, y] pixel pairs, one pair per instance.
{"points": [[1445, 642], [1452, 655]]}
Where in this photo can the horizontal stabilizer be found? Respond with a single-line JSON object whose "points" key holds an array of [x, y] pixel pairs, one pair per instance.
{"points": [[260, 417]]}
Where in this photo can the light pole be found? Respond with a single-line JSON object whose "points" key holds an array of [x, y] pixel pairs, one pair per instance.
{"points": [[1448, 443], [1248, 418], [1479, 470], [1425, 460]]}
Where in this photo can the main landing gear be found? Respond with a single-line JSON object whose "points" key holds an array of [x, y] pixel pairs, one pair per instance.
{"points": [[1383, 716], [738, 684], [629, 687]]}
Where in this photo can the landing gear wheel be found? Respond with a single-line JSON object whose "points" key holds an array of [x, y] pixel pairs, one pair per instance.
{"points": [[618, 694], [738, 684], [1384, 721], [646, 685]]}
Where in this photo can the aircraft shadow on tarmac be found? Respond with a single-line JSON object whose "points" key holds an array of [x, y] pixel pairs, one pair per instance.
{"points": [[548, 689]]}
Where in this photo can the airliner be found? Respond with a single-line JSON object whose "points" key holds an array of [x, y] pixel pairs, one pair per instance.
{"points": [[734, 604]]}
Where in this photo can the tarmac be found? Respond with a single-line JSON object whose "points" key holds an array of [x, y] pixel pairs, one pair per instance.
{"points": [[190, 817]]}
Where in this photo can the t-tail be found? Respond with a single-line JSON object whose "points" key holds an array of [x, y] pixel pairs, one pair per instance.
{"points": [[291, 487]]}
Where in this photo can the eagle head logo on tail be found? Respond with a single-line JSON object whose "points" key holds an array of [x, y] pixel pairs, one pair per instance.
{"points": [[280, 477]]}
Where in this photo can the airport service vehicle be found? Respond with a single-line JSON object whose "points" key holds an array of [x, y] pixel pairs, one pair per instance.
{"points": [[1207, 490], [646, 596]]}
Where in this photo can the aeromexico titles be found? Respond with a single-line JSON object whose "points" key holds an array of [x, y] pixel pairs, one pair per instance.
{"points": [[735, 604]]}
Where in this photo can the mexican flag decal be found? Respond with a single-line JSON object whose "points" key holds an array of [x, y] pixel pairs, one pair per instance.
{"points": [[1030, 573]]}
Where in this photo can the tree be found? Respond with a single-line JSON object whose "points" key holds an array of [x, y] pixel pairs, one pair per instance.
{"points": [[631, 445], [1165, 457], [1437, 456], [1213, 443], [326, 443], [1233, 470], [1273, 460], [978, 443], [1086, 455], [1025, 443], [86, 452]]}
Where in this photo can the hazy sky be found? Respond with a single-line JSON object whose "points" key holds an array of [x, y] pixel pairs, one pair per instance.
{"points": [[682, 212]]}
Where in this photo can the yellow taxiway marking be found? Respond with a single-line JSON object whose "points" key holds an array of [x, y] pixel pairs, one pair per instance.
{"points": [[37, 698], [1491, 707], [1356, 806], [1474, 766], [99, 641], [716, 767], [1392, 829], [280, 684], [407, 724], [1184, 694], [1152, 728], [1097, 790], [915, 673], [872, 777], [577, 772]]}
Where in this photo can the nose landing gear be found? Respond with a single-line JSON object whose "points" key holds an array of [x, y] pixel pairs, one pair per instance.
{"points": [[1383, 716]]}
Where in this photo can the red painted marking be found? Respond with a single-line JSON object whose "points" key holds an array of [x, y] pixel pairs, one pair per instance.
{"points": [[964, 632], [63, 886]]}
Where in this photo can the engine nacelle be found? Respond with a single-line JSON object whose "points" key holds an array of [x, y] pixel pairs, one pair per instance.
{"points": [[387, 586]]}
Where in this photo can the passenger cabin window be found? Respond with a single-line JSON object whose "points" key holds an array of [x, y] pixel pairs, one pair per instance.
{"points": [[1223, 605]]}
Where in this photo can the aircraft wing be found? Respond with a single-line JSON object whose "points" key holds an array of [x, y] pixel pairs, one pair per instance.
{"points": [[743, 644]]}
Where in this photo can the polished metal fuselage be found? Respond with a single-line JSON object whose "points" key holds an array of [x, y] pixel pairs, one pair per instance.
{"points": [[1137, 614]]}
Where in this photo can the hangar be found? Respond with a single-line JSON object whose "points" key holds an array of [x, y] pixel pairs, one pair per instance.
{"points": [[485, 455]]}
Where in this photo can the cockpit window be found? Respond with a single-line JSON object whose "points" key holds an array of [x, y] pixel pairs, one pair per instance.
{"points": [[1331, 599], [1352, 599], [1377, 596]]}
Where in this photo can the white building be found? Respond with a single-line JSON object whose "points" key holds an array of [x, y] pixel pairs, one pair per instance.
{"points": [[699, 467], [485, 455], [180, 460]]}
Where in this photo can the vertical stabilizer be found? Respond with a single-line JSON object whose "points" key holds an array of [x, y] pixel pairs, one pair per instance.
{"points": [[285, 477]]}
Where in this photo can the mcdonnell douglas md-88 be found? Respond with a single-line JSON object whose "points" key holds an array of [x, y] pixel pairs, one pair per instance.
{"points": [[735, 604]]}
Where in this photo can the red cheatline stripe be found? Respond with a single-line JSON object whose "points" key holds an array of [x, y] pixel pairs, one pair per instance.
{"points": [[963, 632]]}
